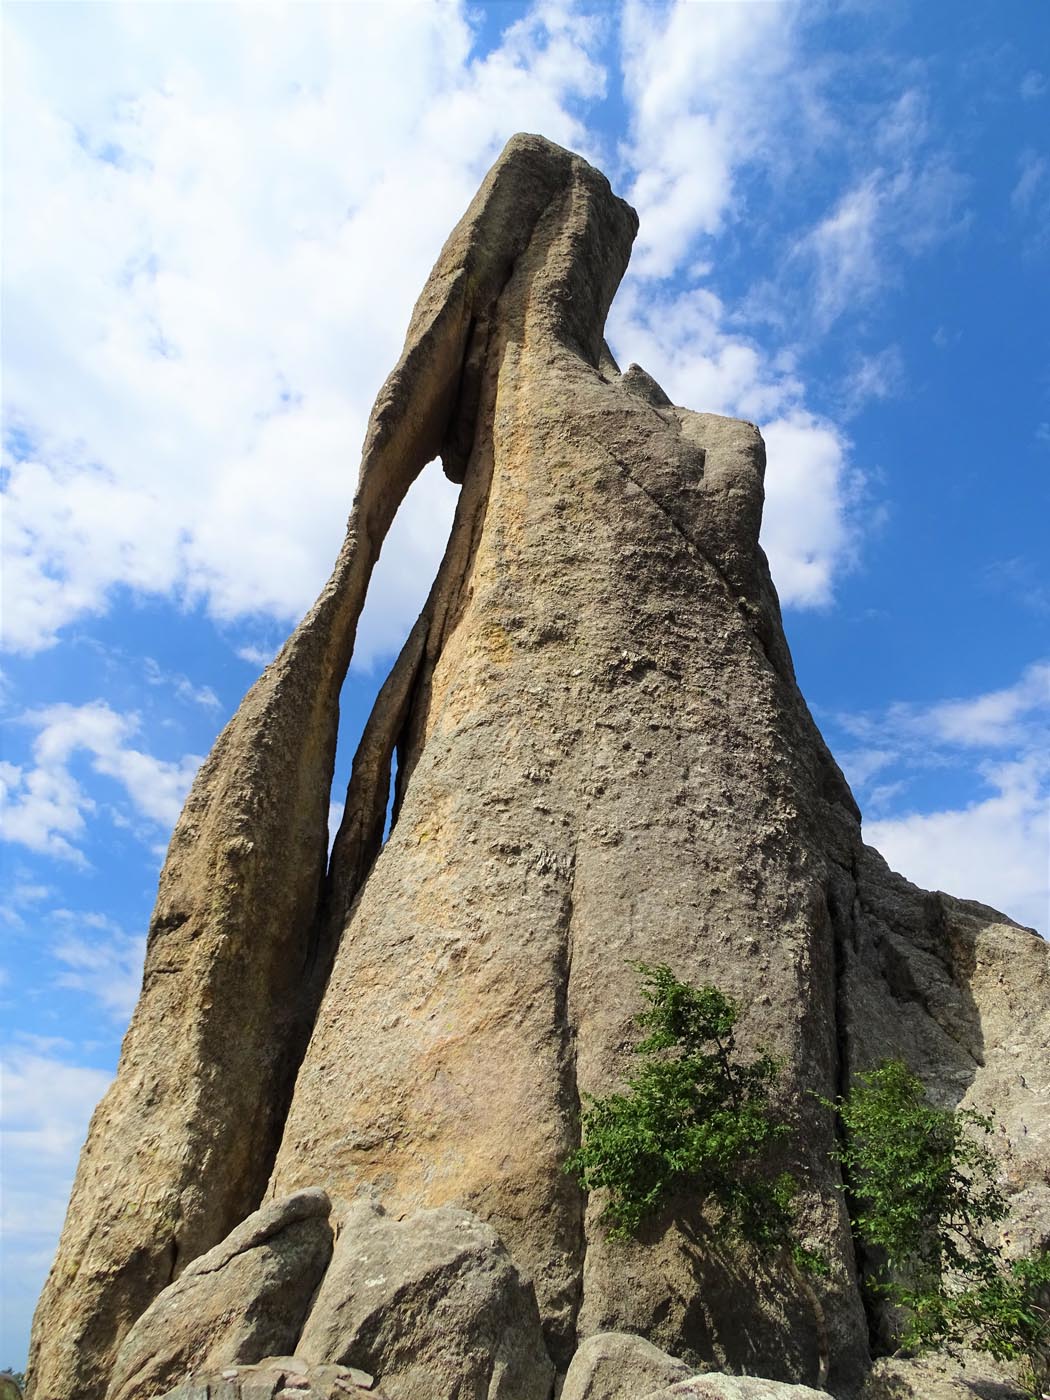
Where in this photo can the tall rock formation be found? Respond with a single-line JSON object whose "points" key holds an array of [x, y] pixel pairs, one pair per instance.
{"points": [[602, 755]]}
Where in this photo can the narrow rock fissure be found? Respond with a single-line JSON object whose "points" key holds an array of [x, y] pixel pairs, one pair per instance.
{"points": [[570, 1090], [845, 941]]}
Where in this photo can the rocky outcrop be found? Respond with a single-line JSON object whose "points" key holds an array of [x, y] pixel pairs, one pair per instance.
{"points": [[602, 756], [241, 1301], [717, 1386], [966, 1377], [431, 1303], [278, 1378], [611, 1365]]}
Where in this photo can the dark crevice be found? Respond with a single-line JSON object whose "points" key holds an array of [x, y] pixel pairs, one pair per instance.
{"points": [[561, 1347], [846, 928]]}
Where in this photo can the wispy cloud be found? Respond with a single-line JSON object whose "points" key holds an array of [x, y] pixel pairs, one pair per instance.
{"points": [[182, 687], [138, 273], [44, 1114], [994, 848], [45, 804], [97, 957], [873, 377], [854, 248]]}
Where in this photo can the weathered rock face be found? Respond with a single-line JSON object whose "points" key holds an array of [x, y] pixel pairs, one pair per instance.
{"points": [[241, 1301], [716, 1386], [433, 1303], [614, 1364], [278, 1378], [602, 756]]}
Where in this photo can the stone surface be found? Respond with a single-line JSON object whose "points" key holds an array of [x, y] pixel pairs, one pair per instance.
{"points": [[240, 1302], [278, 1376], [603, 755], [611, 1365], [941, 1378], [717, 1386], [180, 1148], [433, 1305]]}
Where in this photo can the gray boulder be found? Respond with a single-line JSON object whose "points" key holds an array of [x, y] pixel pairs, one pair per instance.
{"points": [[242, 1301], [432, 1305], [277, 1378], [614, 1364], [717, 1386], [968, 1376]]}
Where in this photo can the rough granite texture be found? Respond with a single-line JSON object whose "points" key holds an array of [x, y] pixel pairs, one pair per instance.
{"points": [[717, 1386], [278, 1378], [602, 755], [611, 1365], [433, 1304], [241, 1301]]}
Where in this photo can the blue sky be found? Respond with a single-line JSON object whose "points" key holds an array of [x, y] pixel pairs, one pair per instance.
{"points": [[217, 219]]}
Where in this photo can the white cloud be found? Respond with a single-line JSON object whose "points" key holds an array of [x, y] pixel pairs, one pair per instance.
{"points": [[901, 208], [190, 356], [844, 249], [255, 655], [182, 686], [876, 376], [809, 530], [97, 957], [691, 76], [995, 848], [999, 718], [45, 805], [1030, 196], [1033, 85], [46, 1105], [1016, 715]]}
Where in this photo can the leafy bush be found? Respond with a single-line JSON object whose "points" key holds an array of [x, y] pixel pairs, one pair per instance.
{"points": [[694, 1117], [922, 1192]]}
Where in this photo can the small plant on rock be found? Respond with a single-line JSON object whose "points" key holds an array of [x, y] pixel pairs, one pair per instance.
{"points": [[695, 1117], [923, 1194]]}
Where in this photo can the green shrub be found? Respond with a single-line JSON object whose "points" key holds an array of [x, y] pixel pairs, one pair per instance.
{"points": [[694, 1118], [922, 1193]]}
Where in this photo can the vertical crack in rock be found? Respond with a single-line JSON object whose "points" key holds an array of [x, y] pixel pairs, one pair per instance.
{"points": [[562, 1346]]}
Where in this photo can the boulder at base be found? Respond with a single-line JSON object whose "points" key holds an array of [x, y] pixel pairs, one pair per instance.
{"points": [[432, 1305], [243, 1300], [716, 1386], [614, 1364]]}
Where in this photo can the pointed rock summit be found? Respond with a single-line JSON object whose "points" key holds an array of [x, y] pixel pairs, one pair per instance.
{"points": [[602, 756]]}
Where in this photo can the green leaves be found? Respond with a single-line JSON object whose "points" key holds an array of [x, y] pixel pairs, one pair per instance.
{"points": [[922, 1191], [695, 1118], [922, 1185]]}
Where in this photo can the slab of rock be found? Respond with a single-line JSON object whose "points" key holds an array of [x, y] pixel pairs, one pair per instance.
{"points": [[241, 1301], [612, 1365], [715, 1385], [277, 1377], [433, 1305], [971, 1377]]}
